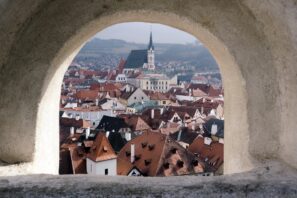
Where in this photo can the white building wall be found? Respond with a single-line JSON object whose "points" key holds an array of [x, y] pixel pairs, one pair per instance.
{"points": [[137, 96], [98, 168], [90, 115]]}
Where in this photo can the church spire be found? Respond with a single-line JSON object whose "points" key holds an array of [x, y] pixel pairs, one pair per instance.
{"points": [[151, 45]]}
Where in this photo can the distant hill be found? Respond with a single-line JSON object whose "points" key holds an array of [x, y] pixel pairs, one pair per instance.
{"points": [[195, 54]]}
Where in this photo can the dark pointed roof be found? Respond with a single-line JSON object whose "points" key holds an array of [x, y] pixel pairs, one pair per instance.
{"points": [[220, 125], [151, 45], [136, 59], [108, 123]]}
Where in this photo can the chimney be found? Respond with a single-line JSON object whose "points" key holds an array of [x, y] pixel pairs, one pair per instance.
{"points": [[107, 134], [193, 126], [214, 129], [162, 111], [97, 102], [87, 133], [128, 136], [132, 153], [221, 140], [179, 135], [71, 131], [152, 113], [202, 110]]}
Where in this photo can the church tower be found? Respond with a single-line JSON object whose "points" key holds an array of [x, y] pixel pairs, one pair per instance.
{"points": [[151, 54]]}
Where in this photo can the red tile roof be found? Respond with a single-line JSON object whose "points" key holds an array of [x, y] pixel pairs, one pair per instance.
{"points": [[214, 153], [155, 155], [101, 149]]}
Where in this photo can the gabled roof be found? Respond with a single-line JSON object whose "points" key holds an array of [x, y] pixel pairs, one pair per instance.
{"points": [[155, 155], [87, 94], [187, 136], [136, 123], [126, 94], [220, 127], [136, 59], [212, 155], [108, 123], [78, 161], [101, 149]]}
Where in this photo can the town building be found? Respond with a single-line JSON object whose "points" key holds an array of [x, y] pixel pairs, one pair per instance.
{"points": [[155, 154], [130, 97], [156, 82], [102, 159], [143, 59]]}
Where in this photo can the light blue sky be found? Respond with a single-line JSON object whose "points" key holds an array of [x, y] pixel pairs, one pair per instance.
{"points": [[138, 32]]}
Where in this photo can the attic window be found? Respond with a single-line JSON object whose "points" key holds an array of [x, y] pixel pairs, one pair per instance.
{"points": [[151, 146], [173, 150], [147, 162], [180, 163], [128, 153], [195, 162], [166, 165], [137, 157]]}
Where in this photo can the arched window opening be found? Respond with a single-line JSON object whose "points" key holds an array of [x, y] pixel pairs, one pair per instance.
{"points": [[141, 100]]}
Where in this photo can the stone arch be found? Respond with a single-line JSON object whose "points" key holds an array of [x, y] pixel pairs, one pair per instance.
{"points": [[39, 53]]}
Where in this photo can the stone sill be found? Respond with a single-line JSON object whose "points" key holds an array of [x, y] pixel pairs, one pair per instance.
{"points": [[269, 181]]}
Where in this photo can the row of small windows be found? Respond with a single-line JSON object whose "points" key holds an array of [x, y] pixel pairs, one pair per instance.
{"points": [[159, 88], [122, 78], [155, 83]]}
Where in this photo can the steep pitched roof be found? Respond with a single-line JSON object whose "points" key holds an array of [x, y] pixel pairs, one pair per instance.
{"points": [[112, 123], [87, 94], [186, 136], [155, 155], [151, 45], [212, 155], [78, 160], [126, 94], [101, 149], [220, 127], [136, 123], [136, 59]]}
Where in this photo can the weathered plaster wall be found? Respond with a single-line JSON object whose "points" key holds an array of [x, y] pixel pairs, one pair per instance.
{"points": [[253, 42]]}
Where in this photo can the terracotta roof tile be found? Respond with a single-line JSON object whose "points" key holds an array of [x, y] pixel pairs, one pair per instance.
{"points": [[101, 149]]}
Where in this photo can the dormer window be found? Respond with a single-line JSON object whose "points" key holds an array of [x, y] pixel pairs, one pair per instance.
{"points": [[166, 165], [151, 146], [128, 153], [195, 162], [173, 150], [144, 144], [147, 162], [179, 163], [105, 149], [137, 157]]}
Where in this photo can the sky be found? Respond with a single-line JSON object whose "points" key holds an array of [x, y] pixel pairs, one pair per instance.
{"points": [[138, 32]]}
